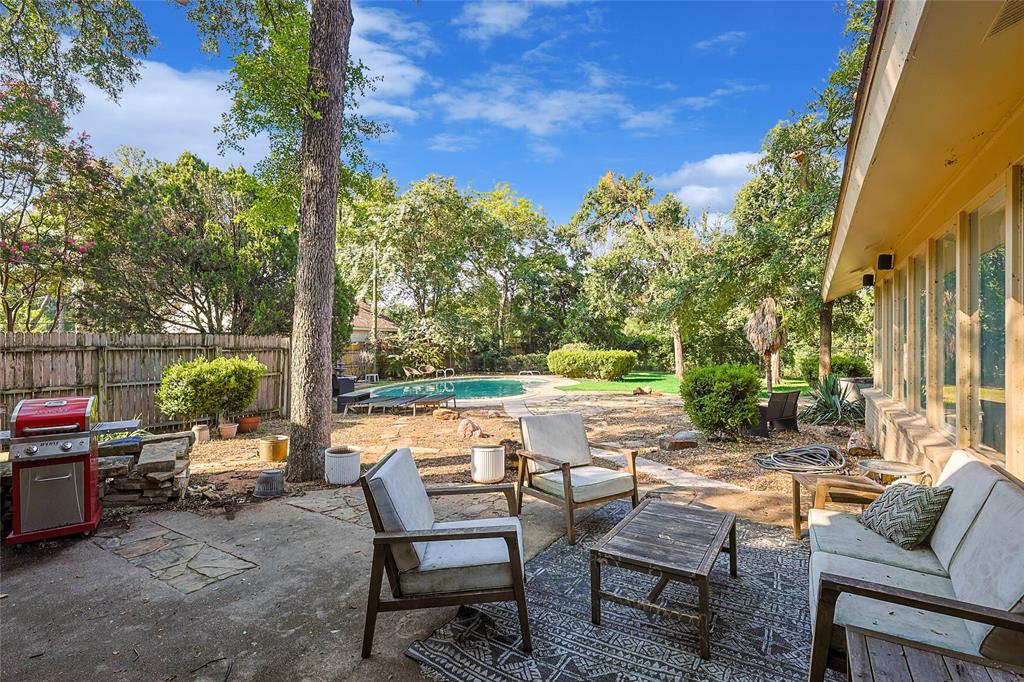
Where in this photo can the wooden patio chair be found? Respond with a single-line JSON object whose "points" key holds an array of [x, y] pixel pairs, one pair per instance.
{"points": [[779, 413], [432, 563], [557, 467]]}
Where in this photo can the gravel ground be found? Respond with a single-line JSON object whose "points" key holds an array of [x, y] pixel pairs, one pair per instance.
{"points": [[443, 457]]}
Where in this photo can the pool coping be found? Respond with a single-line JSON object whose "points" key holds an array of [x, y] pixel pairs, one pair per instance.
{"points": [[548, 388]]}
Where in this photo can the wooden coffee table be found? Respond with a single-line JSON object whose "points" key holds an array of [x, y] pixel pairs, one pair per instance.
{"points": [[672, 542]]}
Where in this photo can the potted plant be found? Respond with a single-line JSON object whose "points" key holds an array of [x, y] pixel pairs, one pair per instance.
{"points": [[238, 381]]}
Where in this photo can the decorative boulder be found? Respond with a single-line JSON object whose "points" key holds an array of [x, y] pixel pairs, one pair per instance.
{"points": [[679, 441], [444, 413], [468, 429]]}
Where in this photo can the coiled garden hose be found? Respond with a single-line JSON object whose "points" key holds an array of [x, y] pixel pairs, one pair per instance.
{"points": [[809, 459]]}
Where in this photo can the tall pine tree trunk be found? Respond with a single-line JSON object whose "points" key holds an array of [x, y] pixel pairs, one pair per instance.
{"points": [[677, 348], [329, 32], [825, 339]]}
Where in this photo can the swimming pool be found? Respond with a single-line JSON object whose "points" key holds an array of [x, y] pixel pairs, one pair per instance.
{"points": [[464, 389]]}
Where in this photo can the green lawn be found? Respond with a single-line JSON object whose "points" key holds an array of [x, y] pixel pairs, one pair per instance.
{"points": [[664, 382]]}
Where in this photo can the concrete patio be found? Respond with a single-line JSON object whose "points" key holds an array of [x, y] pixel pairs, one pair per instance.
{"points": [[276, 590]]}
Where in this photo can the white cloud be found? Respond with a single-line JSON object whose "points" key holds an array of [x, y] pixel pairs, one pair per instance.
{"points": [[484, 21], [725, 42], [169, 111], [508, 97], [710, 184], [446, 142], [166, 113], [648, 120], [544, 151], [698, 102], [382, 39]]}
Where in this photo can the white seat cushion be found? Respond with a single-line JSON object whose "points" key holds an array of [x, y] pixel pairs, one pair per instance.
{"points": [[402, 503], [588, 483], [561, 436], [988, 569], [972, 481], [839, 532], [913, 624], [463, 565]]}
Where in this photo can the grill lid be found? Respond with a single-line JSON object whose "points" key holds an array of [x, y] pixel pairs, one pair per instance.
{"points": [[53, 416]]}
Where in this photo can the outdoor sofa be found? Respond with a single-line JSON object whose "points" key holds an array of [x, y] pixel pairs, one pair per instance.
{"points": [[963, 591]]}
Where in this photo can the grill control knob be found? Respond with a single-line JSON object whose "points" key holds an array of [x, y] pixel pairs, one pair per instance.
{"points": [[31, 449], [66, 445]]}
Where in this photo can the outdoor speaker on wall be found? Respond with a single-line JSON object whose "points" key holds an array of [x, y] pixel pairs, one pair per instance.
{"points": [[868, 280], [885, 261]]}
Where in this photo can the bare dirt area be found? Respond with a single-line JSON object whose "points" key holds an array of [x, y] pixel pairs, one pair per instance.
{"points": [[443, 456]]}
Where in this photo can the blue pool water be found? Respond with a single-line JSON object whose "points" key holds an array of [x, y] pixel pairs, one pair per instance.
{"points": [[464, 389]]}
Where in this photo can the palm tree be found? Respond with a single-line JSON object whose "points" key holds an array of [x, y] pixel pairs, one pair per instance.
{"points": [[765, 333]]}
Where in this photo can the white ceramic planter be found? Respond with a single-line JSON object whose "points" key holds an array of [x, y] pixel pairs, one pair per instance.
{"points": [[487, 463], [341, 464], [202, 433]]}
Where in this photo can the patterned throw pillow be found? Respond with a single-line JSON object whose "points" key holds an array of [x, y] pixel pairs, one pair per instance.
{"points": [[906, 513]]}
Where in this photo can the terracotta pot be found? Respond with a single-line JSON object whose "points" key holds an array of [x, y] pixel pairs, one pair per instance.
{"points": [[273, 448], [248, 424], [227, 430]]}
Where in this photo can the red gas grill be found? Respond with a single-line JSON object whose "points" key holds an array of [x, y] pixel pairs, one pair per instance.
{"points": [[55, 461]]}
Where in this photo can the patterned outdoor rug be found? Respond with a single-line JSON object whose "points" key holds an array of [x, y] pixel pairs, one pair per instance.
{"points": [[760, 629]]}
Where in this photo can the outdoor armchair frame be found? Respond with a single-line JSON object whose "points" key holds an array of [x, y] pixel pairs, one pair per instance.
{"points": [[384, 563], [831, 586], [525, 482]]}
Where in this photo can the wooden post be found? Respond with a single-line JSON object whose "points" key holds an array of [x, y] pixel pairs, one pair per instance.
{"points": [[933, 338], [966, 321], [1015, 322], [101, 379]]}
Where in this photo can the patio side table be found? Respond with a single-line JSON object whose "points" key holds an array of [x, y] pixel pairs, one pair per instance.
{"points": [[810, 481], [889, 468], [671, 542]]}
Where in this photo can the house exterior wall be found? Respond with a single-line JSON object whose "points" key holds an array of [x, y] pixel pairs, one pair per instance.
{"points": [[949, 346]]}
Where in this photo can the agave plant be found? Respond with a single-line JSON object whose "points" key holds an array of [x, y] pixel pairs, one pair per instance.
{"points": [[832, 405]]}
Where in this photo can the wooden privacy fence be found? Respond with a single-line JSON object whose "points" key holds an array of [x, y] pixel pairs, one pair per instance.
{"points": [[123, 370]]}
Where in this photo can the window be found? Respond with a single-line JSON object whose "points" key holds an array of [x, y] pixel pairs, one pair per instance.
{"points": [[947, 327], [900, 336], [887, 337], [920, 340], [988, 305]]}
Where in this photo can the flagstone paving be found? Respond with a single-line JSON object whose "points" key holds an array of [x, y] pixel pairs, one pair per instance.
{"points": [[184, 563]]}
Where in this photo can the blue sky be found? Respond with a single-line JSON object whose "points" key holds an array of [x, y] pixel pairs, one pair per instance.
{"points": [[546, 96]]}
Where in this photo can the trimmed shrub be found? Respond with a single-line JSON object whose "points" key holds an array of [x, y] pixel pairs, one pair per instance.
{"points": [[842, 366], [721, 399], [591, 364], [205, 388]]}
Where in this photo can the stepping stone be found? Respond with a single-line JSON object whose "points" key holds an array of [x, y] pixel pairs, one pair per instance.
{"points": [[188, 581], [137, 549], [213, 563], [169, 556], [161, 456]]}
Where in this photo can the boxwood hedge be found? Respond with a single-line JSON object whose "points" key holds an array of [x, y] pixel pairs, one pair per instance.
{"points": [[591, 364]]}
